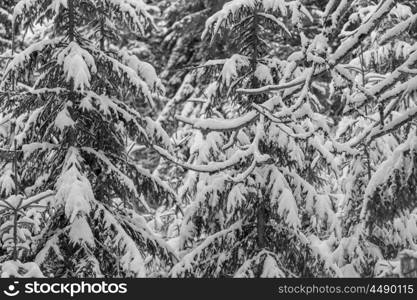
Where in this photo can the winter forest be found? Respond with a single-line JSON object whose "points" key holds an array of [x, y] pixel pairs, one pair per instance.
{"points": [[207, 138]]}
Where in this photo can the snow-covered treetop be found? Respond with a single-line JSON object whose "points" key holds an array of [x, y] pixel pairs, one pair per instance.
{"points": [[238, 9], [133, 13]]}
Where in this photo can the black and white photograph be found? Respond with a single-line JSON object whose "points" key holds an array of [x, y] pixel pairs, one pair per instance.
{"points": [[208, 139]]}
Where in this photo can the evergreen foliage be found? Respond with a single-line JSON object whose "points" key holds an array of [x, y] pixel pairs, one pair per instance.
{"points": [[197, 138]]}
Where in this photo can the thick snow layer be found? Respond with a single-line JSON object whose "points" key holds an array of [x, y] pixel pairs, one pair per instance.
{"points": [[78, 64], [16, 269]]}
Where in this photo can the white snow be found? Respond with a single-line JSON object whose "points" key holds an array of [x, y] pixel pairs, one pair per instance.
{"points": [[78, 65]]}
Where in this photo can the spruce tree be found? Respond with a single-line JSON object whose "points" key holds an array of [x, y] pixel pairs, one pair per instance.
{"points": [[289, 138], [71, 127], [378, 89], [5, 24], [260, 165], [5, 30]]}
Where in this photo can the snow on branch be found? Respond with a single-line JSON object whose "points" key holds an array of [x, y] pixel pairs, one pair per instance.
{"points": [[398, 29], [385, 170], [189, 260], [214, 167], [121, 177], [78, 64], [220, 124], [339, 55]]}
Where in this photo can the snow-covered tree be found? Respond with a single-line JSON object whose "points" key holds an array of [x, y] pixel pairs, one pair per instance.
{"points": [[181, 52], [185, 22], [5, 24], [5, 30], [377, 85], [278, 140], [71, 128], [261, 167]]}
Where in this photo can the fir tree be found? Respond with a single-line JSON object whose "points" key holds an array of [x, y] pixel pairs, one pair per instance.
{"points": [[378, 207], [289, 138], [5, 24], [71, 125], [5, 30], [257, 206]]}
